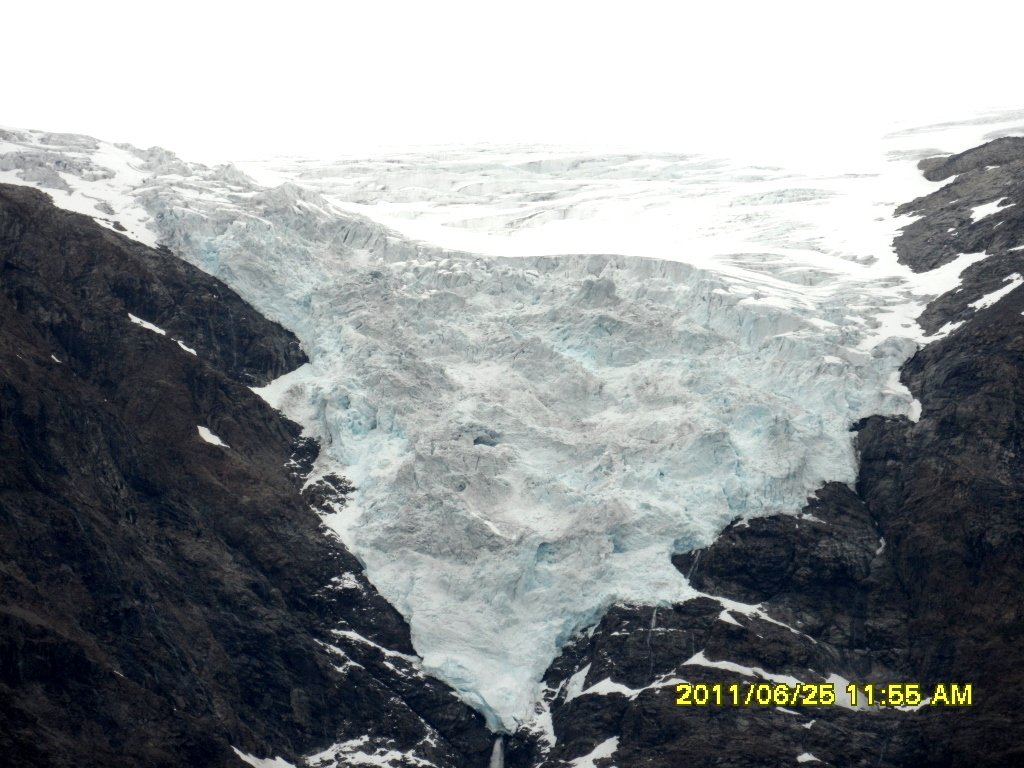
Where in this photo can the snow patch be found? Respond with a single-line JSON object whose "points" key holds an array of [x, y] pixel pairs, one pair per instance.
{"points": [[945, 330], [575, 685], [211, 438], [347, 662], [727, 618], [946, 278], [842, 697], [753, 611], [349, 634], [361, 751], [979, 212], [984, 302], [699, 659], [607, 687], [263, 762], [604, 749], [346, 581], [539, 721], [147, 325]]}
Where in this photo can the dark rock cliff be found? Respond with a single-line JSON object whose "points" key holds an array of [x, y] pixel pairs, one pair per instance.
{"points": [[914, 575], [164, 599]]}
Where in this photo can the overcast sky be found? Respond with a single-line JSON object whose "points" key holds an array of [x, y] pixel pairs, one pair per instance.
{"points": [[215, 81]]}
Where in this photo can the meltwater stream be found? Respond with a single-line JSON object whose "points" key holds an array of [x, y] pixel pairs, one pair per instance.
{"points": [[498, 753], [532, 435]]}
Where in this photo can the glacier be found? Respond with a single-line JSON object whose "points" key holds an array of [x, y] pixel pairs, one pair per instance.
{"points": [[545, 370]]}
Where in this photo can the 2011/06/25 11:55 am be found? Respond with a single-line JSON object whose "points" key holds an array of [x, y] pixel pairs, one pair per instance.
{"points": [[823, 695]]}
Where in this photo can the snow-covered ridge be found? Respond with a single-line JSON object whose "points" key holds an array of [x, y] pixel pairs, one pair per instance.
{"points": [[532, 435]]}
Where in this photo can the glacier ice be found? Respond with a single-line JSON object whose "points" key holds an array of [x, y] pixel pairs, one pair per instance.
{"points": [[532, 435], [533, 438]]}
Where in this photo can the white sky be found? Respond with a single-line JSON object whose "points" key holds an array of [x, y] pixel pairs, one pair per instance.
{"points": [[215, 81]]}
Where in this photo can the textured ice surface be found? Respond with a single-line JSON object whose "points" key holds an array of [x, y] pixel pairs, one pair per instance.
{"points": [[532, 435]]}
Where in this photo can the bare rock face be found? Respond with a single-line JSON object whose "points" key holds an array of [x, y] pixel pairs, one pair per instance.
{"points": [[978, 211], [914, 575], [166, 594]]}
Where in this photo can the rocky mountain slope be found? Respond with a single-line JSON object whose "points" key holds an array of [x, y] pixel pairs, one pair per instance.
{"points": [[167, 596], [913, 575]]}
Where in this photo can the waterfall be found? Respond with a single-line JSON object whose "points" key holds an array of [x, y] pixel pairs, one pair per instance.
{"points": [[498, 754]]}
